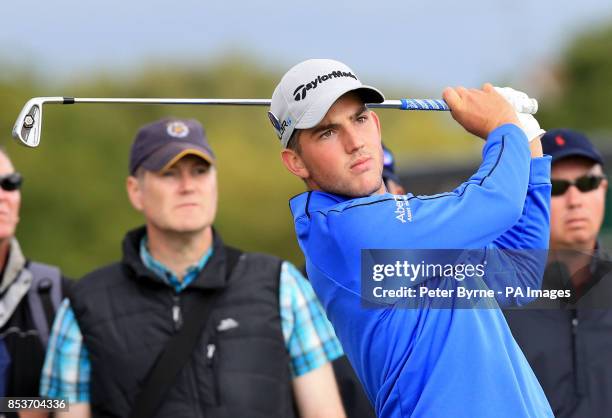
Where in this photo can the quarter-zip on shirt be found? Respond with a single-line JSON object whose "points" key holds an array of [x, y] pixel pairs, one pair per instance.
{"points": [[433, 362]]}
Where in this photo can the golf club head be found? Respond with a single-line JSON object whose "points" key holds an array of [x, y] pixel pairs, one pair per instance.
{"points": [[28, 125]]}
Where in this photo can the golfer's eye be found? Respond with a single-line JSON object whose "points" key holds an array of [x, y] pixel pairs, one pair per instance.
{"points": [[362, 118], [326, 134]]}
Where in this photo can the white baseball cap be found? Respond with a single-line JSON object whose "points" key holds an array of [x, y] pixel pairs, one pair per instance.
{"points": [[307, 91]]}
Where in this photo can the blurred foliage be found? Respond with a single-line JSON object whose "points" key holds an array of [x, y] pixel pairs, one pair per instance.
{"points": [[74, 206], [585, 78]]}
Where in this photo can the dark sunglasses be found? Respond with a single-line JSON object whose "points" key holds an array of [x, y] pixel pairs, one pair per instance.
{"points": [[11, 182], [585, 183]]}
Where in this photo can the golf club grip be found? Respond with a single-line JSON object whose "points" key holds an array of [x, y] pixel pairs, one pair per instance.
{"points": [[424, 104], [528, 105]]}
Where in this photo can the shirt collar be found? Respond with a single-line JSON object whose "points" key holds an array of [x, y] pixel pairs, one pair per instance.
{"points": [[166, 275], [314, 200]]}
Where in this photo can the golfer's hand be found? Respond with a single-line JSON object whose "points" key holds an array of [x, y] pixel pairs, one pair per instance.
{"points": [[479, 111], [528, 122]]}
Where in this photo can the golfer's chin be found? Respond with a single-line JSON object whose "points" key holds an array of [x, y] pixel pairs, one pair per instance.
{"points": [[351, 186], [365, 186]]}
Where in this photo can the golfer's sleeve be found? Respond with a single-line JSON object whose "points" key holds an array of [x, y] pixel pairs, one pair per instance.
{"points": [[488, 204], [309, 336], [66, 371], [533, 228]]}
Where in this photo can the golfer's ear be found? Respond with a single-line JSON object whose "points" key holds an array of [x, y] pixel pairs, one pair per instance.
{"points": [[294, 163], [134, 191]]}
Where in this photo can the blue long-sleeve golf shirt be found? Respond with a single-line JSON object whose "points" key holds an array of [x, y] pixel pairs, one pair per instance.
{"points": [[433, 362]]}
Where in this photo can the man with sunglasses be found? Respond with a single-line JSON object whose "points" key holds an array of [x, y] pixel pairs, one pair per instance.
{"points": [[30, 294], [565, 340]]}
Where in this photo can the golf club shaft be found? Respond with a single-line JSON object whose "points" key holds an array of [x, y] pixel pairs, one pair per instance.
{"points": [[403, 104]]}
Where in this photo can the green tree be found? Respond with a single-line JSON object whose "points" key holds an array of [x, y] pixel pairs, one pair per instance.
{"points": [[585, 77]]}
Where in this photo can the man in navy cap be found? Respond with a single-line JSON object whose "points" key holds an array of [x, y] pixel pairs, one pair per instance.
{"points": [[568, 341], [184, 325], [576, 212]]}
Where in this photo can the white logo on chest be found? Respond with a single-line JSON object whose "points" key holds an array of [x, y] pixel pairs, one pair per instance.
{"points": [[402, 209]]}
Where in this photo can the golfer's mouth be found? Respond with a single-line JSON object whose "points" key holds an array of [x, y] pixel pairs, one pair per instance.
{"points": [[361, 164]]}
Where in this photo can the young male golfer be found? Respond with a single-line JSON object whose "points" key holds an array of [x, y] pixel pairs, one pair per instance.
{"points": [[413, 362]]}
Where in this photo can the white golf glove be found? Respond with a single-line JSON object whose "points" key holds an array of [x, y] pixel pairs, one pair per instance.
{"points": [[524, 106]]}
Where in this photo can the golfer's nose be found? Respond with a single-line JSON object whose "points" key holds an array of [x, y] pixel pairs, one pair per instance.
{"points": [[353, 139]]}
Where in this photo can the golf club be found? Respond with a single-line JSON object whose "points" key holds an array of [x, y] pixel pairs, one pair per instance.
{"points": [[28, 126]]}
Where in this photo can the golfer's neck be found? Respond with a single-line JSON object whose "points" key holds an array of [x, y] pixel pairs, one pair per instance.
{"points": [[381, 190], [315, 187]]}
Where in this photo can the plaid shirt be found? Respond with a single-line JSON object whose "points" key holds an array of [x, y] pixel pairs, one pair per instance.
{"points": [[309, 337]]}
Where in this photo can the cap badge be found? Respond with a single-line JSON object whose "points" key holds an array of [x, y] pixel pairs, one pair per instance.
{"points": [[275, 122], [278, 126], [559, 140], [177, 129]]}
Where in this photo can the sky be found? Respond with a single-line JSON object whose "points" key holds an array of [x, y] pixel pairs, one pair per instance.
{"points": [[428, 45]]}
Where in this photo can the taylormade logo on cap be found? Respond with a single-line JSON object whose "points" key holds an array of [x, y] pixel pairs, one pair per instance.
{"points": [[307, 91], [300, 91]]}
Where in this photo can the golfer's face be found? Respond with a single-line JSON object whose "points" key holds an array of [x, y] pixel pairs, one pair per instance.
{"points": [[10, 202], [182, 198], [343, 153], [575, 216]]}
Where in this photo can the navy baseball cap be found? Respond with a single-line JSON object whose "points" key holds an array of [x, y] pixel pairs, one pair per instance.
{"points": [[161, 144], [565, 143], [389, 165]]}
